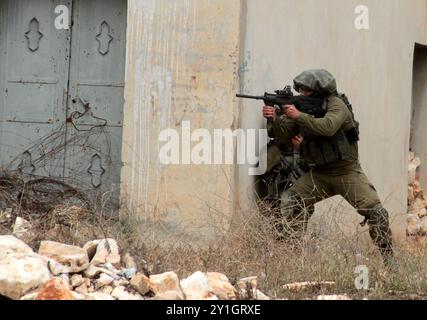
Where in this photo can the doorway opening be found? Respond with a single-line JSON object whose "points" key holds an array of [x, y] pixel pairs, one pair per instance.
{"points": [[417, 170], [418, 139]]}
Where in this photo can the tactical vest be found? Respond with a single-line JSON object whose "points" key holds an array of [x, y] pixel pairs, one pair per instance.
{"points": [[321, 150]]}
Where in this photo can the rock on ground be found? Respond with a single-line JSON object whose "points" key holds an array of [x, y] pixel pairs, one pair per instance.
{"points": [[21, 268], [196, 287], [221, 286], [107, 251], [72, 257], [167, 281], [55, 289], [141, 283]]}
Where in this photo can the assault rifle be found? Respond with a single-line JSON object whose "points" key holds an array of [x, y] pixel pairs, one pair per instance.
{"points": [[314, 106]]}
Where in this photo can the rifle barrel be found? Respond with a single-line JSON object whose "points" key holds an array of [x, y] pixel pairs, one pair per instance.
{"points": [[250, 97]]}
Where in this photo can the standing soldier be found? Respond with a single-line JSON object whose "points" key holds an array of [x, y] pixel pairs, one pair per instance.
{"points": [[330, 147]]}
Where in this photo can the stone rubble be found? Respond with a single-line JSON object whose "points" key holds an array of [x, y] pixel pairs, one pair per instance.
{"points": [[417, 201], [98, 272], [75, 259]]}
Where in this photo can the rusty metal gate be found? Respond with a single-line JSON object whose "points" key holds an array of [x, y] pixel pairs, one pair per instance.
{"points": [[61, 103]]}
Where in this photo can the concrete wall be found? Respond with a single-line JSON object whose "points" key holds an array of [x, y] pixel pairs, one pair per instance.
{"points": [[374, 68], [182, 65], [186, 59]]}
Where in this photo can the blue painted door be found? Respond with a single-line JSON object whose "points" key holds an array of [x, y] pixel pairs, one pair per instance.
{"points": [[96, 97], [61, 107], [34, 64]]}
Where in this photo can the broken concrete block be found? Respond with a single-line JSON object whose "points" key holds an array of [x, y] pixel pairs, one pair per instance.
{"points": [[72, 257]]}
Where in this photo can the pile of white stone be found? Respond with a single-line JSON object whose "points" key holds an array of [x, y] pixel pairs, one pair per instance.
{"points": [[417, 201], [97, 271]]}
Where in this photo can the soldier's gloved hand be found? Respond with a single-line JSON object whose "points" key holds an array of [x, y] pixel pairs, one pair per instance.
{"points": [[292, 112], [269, 113]]}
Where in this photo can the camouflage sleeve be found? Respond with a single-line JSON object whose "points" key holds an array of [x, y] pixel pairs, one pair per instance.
{"points": [[328, 125], [282, 130]]}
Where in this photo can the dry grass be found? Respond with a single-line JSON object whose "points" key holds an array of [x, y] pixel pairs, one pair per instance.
{"points": [[249, 248], [252, 249]]}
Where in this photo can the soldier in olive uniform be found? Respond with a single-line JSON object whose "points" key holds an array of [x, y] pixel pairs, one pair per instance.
{"points": [[284, 168], [330, 147]]}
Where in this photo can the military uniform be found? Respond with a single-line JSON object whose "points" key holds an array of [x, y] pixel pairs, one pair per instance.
{"points": [[284, 167], [331, 150]]}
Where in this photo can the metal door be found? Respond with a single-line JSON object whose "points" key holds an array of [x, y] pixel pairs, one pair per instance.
{"points": [[96, 95], [62, 107], [34, 60]]}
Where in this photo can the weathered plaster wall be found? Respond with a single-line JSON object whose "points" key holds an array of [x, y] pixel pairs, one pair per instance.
{"points": [[374, 68], [182, 61]]}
